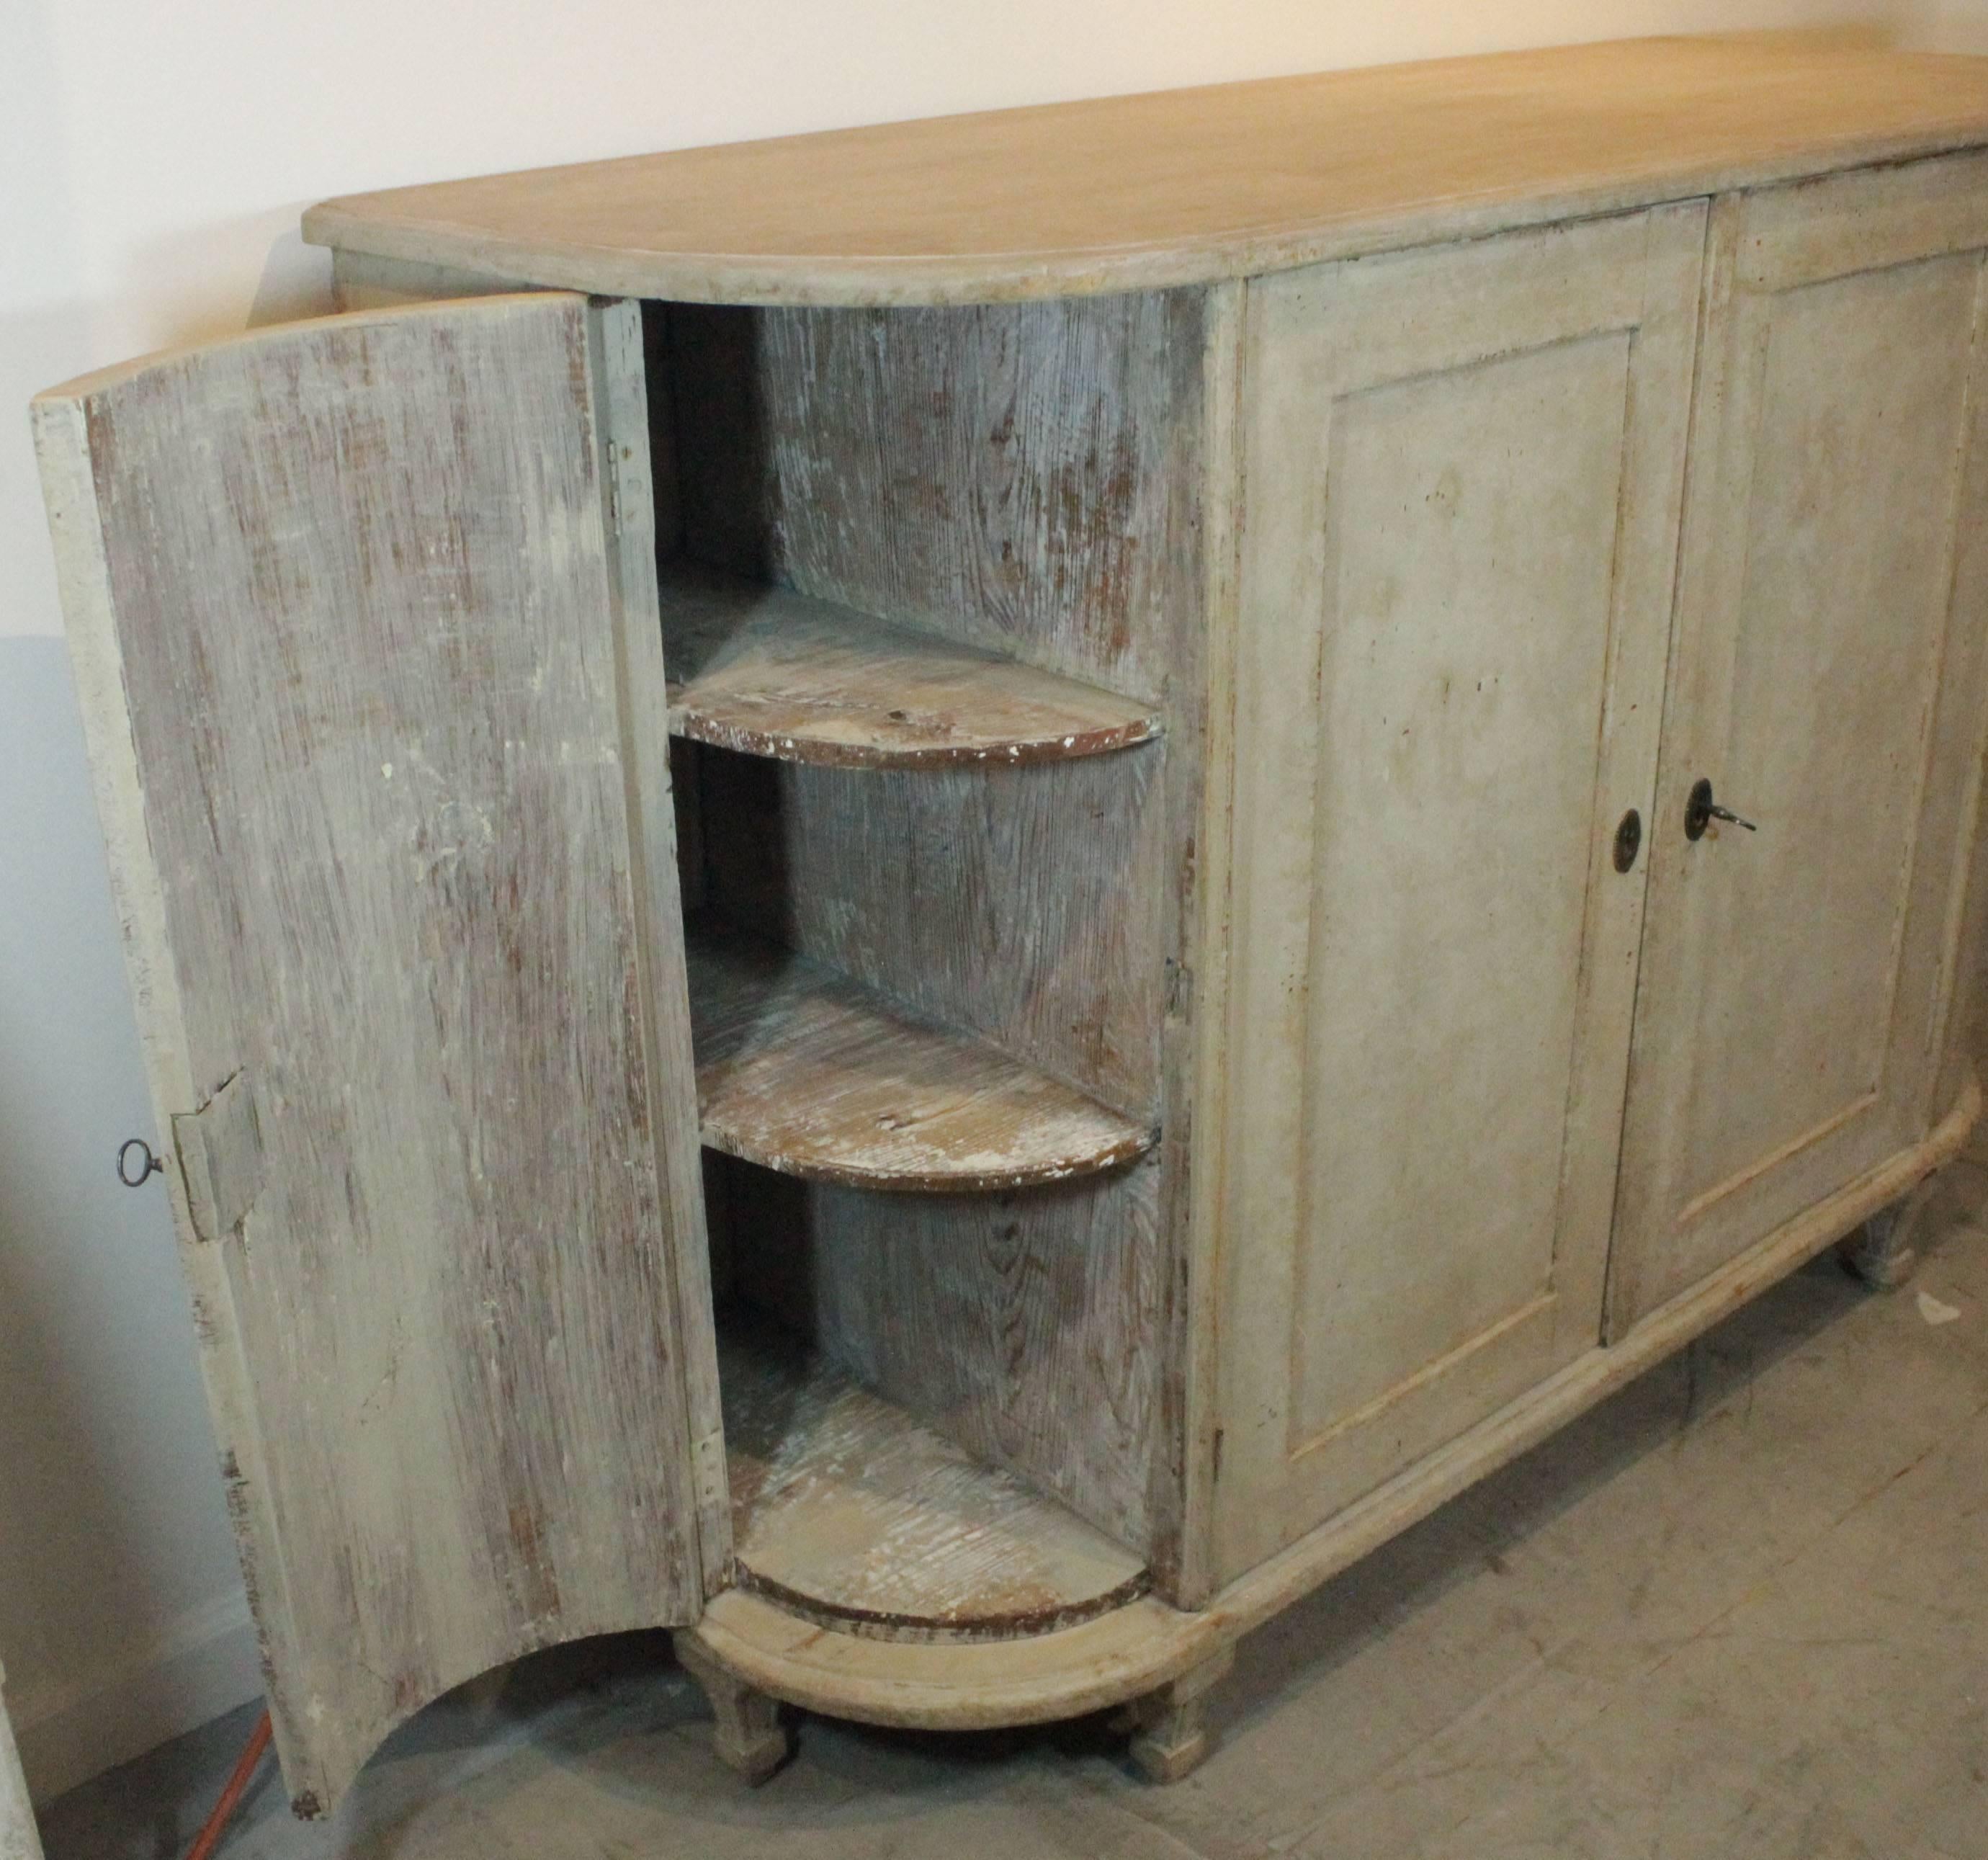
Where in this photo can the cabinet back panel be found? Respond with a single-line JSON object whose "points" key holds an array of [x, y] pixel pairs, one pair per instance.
{"points": [[1022, 476], [1024, 903], [1023, 1326]]}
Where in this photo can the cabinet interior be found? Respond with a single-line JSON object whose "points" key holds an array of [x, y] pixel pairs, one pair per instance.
{"points": [[918, 763]]}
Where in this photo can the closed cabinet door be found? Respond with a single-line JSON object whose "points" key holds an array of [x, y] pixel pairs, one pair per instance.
{"points": [[1826, 687], [1463, 474], [373, 684]]}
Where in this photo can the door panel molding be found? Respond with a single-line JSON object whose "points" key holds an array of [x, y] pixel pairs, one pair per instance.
{"points": [[1463, 474], [1745, 1178]]}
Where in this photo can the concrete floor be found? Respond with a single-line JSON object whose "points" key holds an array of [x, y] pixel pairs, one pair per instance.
{"points": [[1740, 1612]]}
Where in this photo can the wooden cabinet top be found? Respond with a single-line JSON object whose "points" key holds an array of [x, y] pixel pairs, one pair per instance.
{"points": [[1183, 187]]}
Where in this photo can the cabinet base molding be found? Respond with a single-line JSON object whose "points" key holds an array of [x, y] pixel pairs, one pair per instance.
{"points": [[1161, 1660], [978, 1686]]}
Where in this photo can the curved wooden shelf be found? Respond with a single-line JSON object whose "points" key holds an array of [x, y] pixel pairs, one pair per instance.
{"points": [[800, 1070], [846, 1511], [772, 673], [948, 1687]]}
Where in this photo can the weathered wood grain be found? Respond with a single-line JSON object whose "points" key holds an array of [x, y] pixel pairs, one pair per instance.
{"points": [[1025, 1326], [1024, 905], [804, 1072], [1026, 481], [848, 1511], [1020, 477], [1061, 484], [624, 398], [1185, 187], [1197, 928], [766, 672], [1031, 480], [350, 649]]}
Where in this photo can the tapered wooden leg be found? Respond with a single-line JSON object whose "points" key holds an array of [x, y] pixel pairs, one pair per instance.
{"points": [[746, 1731], [1883, 1252], [1169, 1724]]}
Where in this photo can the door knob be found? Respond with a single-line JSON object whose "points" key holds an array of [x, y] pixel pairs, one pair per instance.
{"points": [[1700, 810]]}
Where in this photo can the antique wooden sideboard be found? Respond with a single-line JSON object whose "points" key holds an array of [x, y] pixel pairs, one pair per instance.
{"points": [[945, 900]]}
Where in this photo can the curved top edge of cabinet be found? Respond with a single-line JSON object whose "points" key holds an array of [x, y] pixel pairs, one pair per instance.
{"points": [[1174, 188]]}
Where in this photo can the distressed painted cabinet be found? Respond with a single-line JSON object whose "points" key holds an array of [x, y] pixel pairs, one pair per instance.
{"points": [[955, 936]]}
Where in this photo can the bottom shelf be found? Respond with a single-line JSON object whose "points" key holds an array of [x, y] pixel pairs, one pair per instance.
{"points": [[985, 1687], [847, 1510]]}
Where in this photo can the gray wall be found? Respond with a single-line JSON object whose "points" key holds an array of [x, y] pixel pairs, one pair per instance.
{"points": [[120, 1610]]}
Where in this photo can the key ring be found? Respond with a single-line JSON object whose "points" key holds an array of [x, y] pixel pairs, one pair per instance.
{"points": [[152, 1164]]}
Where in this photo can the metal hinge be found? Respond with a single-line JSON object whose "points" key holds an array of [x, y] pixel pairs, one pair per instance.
{"points": [[220, 1148]]}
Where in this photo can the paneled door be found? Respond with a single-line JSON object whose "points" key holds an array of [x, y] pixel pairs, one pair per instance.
{"points": [[1463, 474], [1826, 688], [372, 675]]}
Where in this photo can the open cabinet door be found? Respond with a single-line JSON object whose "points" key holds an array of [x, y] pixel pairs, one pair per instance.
{"points": [[370, 666]]}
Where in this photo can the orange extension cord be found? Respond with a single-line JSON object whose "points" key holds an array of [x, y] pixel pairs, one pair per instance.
{"points": [[209, 1836]]}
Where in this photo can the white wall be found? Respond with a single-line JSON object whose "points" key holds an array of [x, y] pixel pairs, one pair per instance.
{"points": [[153, 160], [1948, 25]]}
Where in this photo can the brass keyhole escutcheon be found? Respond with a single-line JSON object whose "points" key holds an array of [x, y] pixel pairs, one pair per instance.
{"points": [[1628, 839]]}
